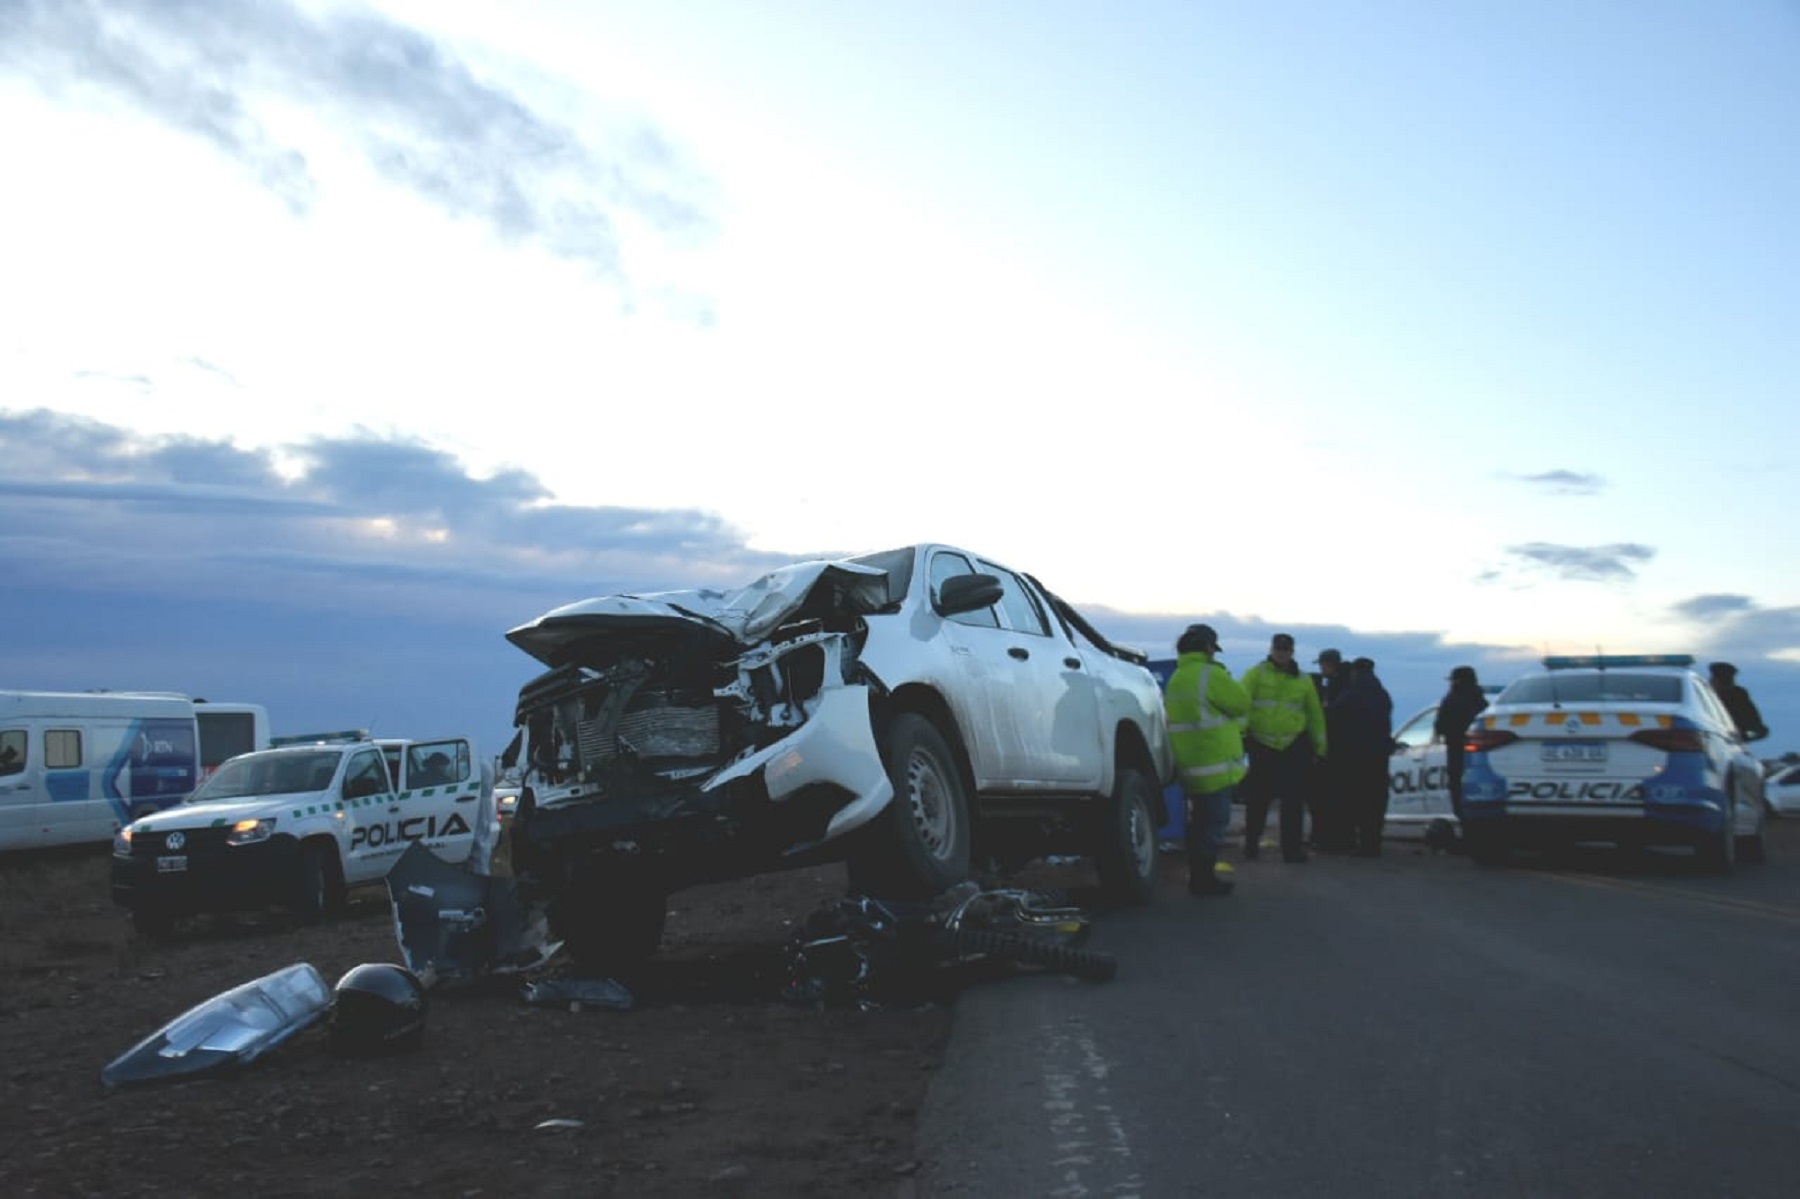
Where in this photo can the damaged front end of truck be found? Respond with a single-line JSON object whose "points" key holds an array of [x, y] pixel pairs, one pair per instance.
{"points": [[693, 736]]}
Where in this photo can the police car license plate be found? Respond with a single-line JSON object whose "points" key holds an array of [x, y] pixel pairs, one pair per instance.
{"points": [[1575, 751], [174, 864]]}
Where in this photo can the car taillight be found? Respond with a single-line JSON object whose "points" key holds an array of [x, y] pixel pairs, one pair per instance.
{"points": [[1672, 741], [1480, 740]]}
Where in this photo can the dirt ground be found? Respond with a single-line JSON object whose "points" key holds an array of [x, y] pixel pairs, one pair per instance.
{"points": [[710, 1084]]}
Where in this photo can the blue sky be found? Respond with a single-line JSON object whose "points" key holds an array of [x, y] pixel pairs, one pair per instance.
{"points": [[336, 339]]}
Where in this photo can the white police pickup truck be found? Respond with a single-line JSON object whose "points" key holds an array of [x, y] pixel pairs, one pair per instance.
{"points": [[296, 826]]}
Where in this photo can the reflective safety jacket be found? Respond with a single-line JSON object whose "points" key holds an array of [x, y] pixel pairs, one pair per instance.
{"points": [[1206, 708], [1283, 706]]}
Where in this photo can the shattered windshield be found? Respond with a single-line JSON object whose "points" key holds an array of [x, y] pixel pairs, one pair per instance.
{"points": [[255, 775]]}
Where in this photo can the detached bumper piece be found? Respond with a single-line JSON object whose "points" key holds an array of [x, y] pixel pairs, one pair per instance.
{"points": [[454, 926]]}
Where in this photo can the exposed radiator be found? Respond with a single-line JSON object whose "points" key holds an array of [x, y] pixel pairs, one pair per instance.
{"points": [[652, 731]]}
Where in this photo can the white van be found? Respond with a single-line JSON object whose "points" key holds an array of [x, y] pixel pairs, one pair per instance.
{"points": [[77, 766], [227, 730]]}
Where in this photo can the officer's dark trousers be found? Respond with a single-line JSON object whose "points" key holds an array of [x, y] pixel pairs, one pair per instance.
{"points": [[1453, 772], [1366, 778], [1277, 774], [1325, 802]]}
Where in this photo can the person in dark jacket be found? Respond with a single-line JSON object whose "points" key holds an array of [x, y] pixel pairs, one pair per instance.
{"points": [[1325, 791], [1456, 712], [1367, 723], [1737, 701]]}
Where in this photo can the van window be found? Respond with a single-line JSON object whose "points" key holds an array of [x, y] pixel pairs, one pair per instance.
{"points": [[62, 749], [13, 747], [225, 735]]}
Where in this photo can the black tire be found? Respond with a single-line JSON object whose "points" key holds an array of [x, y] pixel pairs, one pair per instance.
{"points": [[610, 927], [1718, 853], [153, 923], [318, 886], [1485, 847], [1127, 858], [1030, 951], [1753, 850], [521, 854], [919, 844]]}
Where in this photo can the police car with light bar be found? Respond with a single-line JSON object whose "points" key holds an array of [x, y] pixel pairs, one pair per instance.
{"points": [[1627, 749], [298, 824]]}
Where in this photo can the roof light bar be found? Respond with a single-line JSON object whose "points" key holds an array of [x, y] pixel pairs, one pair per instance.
{"points": [[319, 738], [1611, 661]]}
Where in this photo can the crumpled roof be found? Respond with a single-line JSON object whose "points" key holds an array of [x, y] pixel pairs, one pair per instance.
{"points": [[744, 615]]}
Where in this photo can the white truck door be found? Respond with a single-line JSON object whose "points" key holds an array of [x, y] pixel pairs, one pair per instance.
{"points": [[442, 797], [1057, 697], [372, 810]]}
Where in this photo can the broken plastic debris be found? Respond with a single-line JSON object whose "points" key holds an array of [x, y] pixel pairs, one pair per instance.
{"points": [[595, 992]]}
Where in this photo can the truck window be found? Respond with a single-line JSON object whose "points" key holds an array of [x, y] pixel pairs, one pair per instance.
{"points": [[437, 763], [13, 746], [1021, 607], [62, 749], [367, 775], [946, 566]]}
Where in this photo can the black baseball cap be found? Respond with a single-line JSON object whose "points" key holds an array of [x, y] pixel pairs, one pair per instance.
{"points": [[1197, 639], [1282, 641], [1328, 655]]}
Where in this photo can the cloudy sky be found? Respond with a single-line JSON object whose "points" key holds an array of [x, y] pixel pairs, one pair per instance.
{"points": [[336, 339]]}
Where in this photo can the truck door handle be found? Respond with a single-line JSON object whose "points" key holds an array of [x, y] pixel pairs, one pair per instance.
{"points": [[1019, 652], [1072, 663]]}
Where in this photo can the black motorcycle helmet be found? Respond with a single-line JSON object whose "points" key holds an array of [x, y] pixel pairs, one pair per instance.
{"points": [[379, 1007]]}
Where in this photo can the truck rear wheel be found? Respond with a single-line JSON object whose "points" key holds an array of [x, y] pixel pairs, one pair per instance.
{"points": [[1126, 859]]}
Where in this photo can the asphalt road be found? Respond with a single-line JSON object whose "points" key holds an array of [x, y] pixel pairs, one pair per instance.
{"points": [[1595, 1025]]}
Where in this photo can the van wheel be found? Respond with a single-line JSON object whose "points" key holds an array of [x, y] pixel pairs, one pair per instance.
{"points": [[319, 890], [1127, 859], [920, 843]]}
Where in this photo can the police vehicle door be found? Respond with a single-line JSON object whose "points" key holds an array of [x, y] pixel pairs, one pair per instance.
{"points": [[439, 793], [372, 811], [1418, 789]]}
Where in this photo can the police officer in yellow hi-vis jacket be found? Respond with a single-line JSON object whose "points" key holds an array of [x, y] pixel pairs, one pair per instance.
{"points": [[1287, 729], [1206, 708]]}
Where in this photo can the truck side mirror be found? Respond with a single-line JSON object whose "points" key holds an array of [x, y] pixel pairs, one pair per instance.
{"points": [[967, 593]]}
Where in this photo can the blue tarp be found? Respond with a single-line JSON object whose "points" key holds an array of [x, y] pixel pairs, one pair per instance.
{"points": [[1176, 829]]}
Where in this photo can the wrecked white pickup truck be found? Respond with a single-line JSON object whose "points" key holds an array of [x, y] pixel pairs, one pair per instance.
{"points": [[915, 712]]}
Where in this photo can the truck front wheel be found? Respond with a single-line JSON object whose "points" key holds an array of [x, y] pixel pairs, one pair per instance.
{"points": [[610, 924], [1126, 858], [919, 845], [319, 890]]}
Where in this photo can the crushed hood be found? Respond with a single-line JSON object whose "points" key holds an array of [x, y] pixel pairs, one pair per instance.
{"points": [[735, 618]]}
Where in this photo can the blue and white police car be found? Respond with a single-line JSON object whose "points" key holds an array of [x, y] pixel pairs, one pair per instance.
{"points": [[1625, 749]]}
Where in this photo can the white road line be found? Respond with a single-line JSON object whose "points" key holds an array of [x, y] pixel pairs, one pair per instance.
{"points": [[1085, 1128]]}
